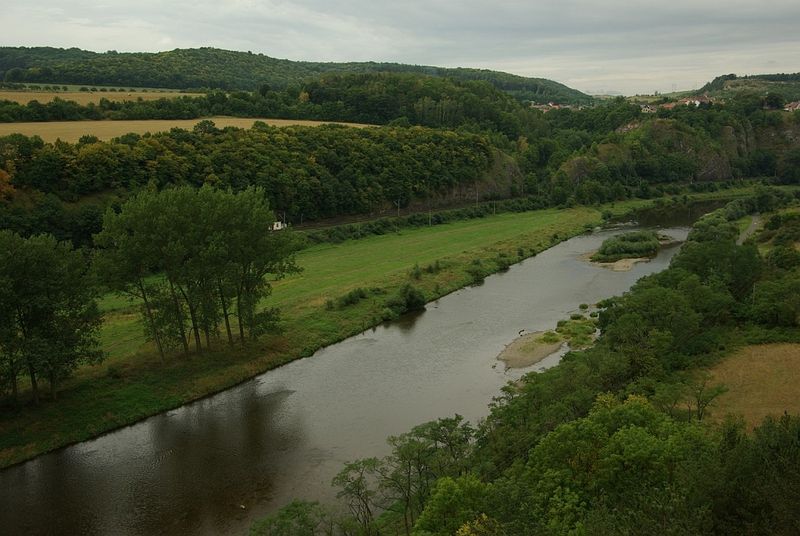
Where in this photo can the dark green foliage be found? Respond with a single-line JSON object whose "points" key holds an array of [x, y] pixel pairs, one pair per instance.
{"points": [[230, 70], [777, 302], [408, 298], [783, 257], [433, 268], [309, 173], [628, 245], [477, 271], [503, 262], [452, 504], [49, 320], [351, 298], [299, 518], [196, 258]]}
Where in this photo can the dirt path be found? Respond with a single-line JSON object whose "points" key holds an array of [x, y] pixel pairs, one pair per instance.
{"points": [[755, 223]]}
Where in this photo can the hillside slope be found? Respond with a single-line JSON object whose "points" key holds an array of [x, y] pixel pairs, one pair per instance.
{"points": [[730, 85], [225, 69]]}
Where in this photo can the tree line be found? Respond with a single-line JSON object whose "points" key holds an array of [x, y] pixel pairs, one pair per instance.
{"points": [[230, 70], [614, 440], [564, 157], [307, 173], [197, 260], [374, 98]]}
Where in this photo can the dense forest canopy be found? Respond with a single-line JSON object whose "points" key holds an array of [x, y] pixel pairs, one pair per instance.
{"points": [[307, 172], [224, 69], [495, 148]]}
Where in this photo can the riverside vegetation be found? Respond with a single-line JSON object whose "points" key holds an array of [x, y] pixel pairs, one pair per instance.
{"points": [[628, 245], [616, 439]]}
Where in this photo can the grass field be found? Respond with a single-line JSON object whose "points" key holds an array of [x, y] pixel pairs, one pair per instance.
{"points": [[105, 130], [761, 380], [85, 97]]}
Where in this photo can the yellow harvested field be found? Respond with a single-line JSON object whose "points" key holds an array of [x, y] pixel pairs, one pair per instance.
{"points": [[85, 97], [761, 380], [105, 130]]}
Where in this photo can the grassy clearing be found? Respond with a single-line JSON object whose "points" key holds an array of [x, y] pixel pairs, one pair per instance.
{"points": [[85, 97], [761, 380], [71, 131]]}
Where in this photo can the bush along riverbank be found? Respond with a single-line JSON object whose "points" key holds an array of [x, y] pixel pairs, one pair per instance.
{"points": [[133, 383], [630, 245], [616, 439]]}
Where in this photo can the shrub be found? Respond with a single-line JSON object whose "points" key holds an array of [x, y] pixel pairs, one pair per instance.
{"points": [[627, 245], [408, 298], [433, 268], [354, 296]]}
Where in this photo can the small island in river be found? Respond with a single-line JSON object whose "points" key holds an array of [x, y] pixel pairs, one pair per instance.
{"points": [[529, 349], [622, 252]]}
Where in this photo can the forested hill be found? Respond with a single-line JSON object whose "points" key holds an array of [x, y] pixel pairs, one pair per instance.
{"points": [[785, 85], [230, 70]]}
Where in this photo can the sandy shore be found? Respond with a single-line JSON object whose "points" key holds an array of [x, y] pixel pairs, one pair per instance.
{"points": [[622, 265], [527, 350]]}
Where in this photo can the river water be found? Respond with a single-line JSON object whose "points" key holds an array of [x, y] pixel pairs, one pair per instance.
{"points": [[213, 466]]}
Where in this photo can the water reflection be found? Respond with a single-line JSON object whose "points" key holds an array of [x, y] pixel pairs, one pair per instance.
{"points": [[406, 322]]}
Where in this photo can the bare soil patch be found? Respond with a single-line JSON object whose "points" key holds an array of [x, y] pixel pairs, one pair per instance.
{"points": [[105, 130], [85, 97], [761, 380]]}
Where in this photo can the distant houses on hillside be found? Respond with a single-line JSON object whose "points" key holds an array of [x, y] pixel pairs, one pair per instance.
{"points": [[555, 106], [695, 101]]}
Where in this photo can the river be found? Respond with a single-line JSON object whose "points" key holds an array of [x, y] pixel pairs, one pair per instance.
{"points": [[212, 466]]}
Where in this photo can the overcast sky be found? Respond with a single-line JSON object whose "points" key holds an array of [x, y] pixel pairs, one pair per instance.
{"points": [[609, 46]]}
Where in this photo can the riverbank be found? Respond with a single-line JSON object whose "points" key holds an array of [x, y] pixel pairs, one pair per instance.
{"points": [[133, 385]]}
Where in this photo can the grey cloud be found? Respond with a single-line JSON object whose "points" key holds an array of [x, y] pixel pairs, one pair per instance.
{"points": [[624, 45]]}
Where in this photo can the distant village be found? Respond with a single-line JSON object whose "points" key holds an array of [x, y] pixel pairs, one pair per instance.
{"points": [[695, 101]]}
